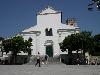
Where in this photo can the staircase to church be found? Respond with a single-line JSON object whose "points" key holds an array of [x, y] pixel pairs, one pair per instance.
{"points": [[51, 60], [54, 60]]}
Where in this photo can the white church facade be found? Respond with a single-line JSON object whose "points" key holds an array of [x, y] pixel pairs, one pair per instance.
{"points": [[49, 32]]}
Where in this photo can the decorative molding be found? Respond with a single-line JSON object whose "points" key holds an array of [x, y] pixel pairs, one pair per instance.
{"points": [[51, 11], [48, 42], [65, 30], [48, 13], [31, 32]]}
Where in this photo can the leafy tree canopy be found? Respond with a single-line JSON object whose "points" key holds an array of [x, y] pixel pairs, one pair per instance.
{"points": [[97, 44], [83, 41], [16, 45]]}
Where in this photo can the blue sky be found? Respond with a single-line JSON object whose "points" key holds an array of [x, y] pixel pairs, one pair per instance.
{"points": [[17, 15]]}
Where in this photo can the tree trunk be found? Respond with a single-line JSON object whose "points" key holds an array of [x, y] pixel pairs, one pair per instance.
{"points": [[84, 59], [69, 57], [77, 54], [13, 60]]}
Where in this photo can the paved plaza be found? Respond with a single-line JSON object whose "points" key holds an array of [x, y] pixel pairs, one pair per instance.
{"points": [[51, 69]]}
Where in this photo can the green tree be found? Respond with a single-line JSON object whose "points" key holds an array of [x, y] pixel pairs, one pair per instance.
{"points": [[70, 43], [97, 45], [16, 45], [27, 46], [87, 42], [94, 4], [1, 47], [79, 41], [1, 38]]}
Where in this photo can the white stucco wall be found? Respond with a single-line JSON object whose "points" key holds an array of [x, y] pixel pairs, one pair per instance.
{"points": [[48, 18], [33, 36]]}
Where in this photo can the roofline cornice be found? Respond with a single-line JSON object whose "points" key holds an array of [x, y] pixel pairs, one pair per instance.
{"points": [[31, 32], [48, 13]]}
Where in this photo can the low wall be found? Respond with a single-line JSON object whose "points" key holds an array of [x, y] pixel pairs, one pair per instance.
{"points": [[72, 59]]}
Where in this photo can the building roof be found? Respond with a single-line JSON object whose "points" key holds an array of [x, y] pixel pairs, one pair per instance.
{"points": [[48, 10], [62, 26], [33, 28]]}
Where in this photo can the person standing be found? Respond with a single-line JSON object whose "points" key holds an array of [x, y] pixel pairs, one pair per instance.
{"points": [[38, 60], [46, 59]]}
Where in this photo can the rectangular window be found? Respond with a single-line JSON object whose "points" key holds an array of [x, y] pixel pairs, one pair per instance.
{"points": [[48, 32]]}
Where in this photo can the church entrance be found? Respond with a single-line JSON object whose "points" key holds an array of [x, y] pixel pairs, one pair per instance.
{"points": [[49, 50]]}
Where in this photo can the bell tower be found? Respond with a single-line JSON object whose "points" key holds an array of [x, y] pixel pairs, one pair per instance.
{"points": [[71, 22]]}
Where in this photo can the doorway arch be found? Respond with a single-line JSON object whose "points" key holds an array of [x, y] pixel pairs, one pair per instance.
{"points": [[49, 48]]}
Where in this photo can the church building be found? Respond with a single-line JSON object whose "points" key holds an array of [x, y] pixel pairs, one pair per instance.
{"points": [[49, 32]]}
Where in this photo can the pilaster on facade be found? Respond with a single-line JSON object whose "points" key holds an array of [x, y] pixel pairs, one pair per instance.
{"points": [[37, 42]]}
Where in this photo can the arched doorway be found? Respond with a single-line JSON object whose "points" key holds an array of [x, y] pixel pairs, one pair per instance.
{"points": [[49, 48]]}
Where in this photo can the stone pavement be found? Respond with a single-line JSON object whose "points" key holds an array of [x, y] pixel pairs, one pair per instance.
{"points": [[51, 69]]}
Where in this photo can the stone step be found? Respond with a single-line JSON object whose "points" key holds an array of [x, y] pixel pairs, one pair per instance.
{"points": [[51, 60]]}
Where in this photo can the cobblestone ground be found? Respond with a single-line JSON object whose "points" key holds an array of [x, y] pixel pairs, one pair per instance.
{"points": [[51, 69]]}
